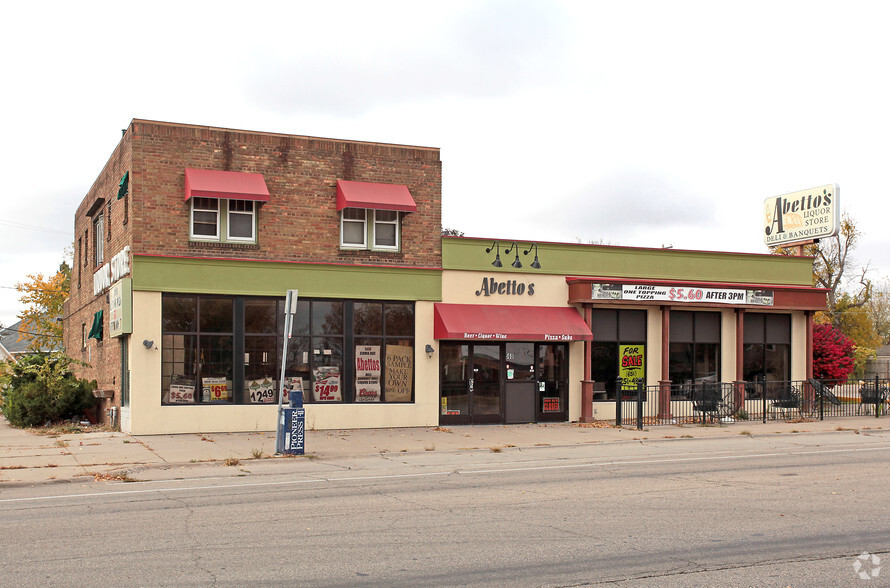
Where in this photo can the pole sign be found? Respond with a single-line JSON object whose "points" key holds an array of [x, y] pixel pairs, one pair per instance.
{"points": [[801, 216]]}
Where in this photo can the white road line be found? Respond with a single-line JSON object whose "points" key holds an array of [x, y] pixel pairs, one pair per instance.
{"points": [[466, 471]]}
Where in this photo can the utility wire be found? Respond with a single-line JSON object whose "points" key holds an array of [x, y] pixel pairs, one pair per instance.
{"points": [[33, 228]]}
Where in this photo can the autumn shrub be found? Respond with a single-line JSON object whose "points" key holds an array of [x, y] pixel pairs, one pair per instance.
{"points": [[41, 388], [833, 353]]}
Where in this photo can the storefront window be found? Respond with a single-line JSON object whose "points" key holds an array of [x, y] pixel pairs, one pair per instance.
{"points": [[767, 351], [694, 350], [612, 330], [197, 347], [339, 351]]}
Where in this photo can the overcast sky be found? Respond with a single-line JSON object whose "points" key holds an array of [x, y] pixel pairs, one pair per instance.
{"points": [[633, 123]]}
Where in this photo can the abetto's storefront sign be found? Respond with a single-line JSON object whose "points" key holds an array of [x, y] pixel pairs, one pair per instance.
{"points": [[680, 294], [801, 216]]}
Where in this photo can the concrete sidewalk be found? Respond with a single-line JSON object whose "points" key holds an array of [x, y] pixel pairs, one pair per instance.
{"points": [[30, 458]]}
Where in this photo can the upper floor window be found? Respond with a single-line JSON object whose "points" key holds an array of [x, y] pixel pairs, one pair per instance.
{"points": [[354, 228], [99, 234], [371, 214], [241, 220], [213, 219], [357, 223], [205, 218], [386, 229]]}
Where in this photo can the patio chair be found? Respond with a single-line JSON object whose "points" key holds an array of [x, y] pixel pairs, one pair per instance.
{"points": [[706, 399], [788, 400], [869, 394]]}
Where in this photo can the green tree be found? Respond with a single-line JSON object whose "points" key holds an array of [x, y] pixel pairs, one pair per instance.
{"points": [[42, 388]]}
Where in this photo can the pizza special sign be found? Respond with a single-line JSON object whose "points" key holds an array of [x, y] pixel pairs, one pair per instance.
{"points": [[678, 293]]}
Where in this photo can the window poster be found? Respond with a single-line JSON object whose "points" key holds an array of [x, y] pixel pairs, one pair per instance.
{"points": [[214, 390], [327, 384], [367, 373], [262, 391], [293, 384], [182, 391], [399, 373], [632, 362]]}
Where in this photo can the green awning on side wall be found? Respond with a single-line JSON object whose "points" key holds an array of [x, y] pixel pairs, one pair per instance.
{"points": [[96, 331], [123, 186]]}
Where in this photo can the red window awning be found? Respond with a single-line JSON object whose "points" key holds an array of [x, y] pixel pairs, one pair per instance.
{"points": [[508, 323], [211, 183], [375, 196]]}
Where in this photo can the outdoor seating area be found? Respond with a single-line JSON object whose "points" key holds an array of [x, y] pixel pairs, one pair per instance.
{"points": [[723, 402]]}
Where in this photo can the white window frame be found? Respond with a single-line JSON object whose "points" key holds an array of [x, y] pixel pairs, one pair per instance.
{"points": [[99, 238], [364, 232], [193, 208], [395, 222], [251, 213]]}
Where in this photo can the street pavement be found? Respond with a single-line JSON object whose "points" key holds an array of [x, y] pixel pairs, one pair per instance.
{"points": [[29, 458]]}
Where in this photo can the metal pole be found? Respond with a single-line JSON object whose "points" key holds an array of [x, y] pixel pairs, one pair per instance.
{"points": [[290, 309], [640, 396], [618, 403]]}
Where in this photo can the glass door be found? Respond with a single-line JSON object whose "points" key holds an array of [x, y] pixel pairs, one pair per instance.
{"points": [[470, 377]]}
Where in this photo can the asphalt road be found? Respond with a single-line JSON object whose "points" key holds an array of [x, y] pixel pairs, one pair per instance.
{"points": [[792, 510]]}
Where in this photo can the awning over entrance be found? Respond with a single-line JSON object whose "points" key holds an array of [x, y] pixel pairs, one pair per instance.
{"points": [[375, 196], [211, 183], [509, 323]]}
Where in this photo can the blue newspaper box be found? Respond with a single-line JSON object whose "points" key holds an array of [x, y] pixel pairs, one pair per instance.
{"points": [[292, 431]]}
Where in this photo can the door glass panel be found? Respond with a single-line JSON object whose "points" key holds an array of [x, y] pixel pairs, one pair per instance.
{"points": [[552, 378], [455, 374], [520, 361], [486, 380]]}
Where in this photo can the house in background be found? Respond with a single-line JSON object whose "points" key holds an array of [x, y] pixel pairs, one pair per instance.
{"points": [[14, 343]]}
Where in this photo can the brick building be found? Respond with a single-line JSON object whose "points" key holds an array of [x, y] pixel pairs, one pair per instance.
{"points": [[190, 237]]}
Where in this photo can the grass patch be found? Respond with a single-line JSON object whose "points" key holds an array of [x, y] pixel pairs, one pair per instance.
{"points": [[748, 433], [256, 453], [496, 449], [61, 443], [231, 461]]}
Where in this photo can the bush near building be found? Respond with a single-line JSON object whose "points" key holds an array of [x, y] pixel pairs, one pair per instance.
{"points": [[42, 388]]}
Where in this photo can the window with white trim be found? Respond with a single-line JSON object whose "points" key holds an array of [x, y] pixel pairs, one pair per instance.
{"points": [[205, 218], [386, 229], [241, 220], [354, 228], [99, 236]]}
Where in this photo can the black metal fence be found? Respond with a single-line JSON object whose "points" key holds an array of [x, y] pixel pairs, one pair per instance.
{"points": [[725, 402]]}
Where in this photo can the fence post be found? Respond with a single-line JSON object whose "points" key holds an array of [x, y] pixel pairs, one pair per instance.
{"points": [[763, 398], [618, 403], [878, 397], [641, 394], [822, 402]]}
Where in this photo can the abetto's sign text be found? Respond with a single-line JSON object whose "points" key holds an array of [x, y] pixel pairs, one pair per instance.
{"points": [[801, 216]]}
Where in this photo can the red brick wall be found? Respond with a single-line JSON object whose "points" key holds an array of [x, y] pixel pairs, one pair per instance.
{"points": [[300, 222], [102, 357]]}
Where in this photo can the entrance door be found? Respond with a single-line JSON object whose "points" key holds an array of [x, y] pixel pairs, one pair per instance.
{"points": [[471, 383]]}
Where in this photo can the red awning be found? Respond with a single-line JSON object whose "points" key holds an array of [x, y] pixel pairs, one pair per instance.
{"points": [[211, 183], [374, 196], [509, 323]]}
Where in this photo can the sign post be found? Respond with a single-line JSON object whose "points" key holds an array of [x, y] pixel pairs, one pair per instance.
{"points": [[290, 432]]}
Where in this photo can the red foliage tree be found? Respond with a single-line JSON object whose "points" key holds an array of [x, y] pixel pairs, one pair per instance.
{"points": [[832, 353]]}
